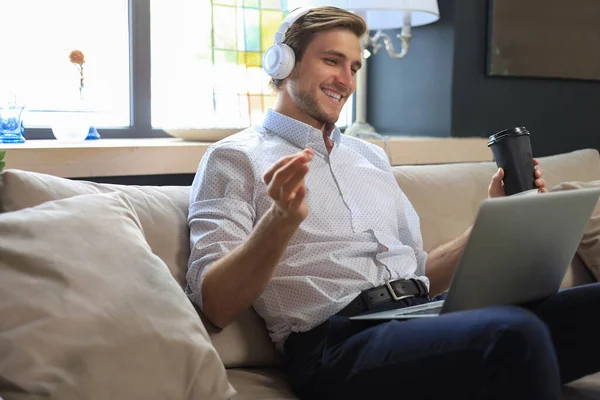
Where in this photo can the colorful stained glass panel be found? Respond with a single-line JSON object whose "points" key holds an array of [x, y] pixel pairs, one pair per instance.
{"points": [[271, 20], [224, 2], [250, 59], [271, 5], [253, 81], [224, 27], [226, 56], [251, 31]]}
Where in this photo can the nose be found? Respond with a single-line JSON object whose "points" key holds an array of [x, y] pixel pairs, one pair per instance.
{"points": [[346, 78]]}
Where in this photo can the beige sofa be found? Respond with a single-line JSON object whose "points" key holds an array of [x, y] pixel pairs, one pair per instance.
{"points": [[445, 196]]}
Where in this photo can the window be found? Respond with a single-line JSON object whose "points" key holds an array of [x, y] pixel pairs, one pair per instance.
{"points": [[150, 64], [37, 39]]}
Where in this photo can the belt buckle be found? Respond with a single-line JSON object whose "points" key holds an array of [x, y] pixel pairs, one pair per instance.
{"points": [[393, 292]]}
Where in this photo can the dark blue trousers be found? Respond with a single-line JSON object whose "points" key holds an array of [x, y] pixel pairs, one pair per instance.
{"points": [[505, 352]]}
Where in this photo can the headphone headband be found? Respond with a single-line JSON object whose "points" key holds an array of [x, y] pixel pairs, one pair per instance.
{"points": [[288, 21]]}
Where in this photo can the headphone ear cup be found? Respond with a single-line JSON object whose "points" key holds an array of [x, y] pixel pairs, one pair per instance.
{"points": [[271, 60], [278, 61], [289, 60]]}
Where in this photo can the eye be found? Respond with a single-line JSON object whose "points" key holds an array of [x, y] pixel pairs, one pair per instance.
{"points": [[354, 71], [331, 61]]}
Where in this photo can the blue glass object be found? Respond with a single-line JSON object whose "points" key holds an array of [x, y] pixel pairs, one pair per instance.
{"points": [[93, 134], [11, 125]]}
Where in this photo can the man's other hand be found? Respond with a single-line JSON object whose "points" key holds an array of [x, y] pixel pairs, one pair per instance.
{"points": [[496, 188]]}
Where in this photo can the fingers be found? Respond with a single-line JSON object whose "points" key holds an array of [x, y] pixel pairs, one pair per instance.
{"points": [[293, 171], [298, 197], [288, 190], [285, 180], [302, 157], [539, 182], [538, 172], [541, 185], [275, 167]]}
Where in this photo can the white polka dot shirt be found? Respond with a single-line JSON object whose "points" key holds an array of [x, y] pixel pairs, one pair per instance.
{"points": [[361, 230]]}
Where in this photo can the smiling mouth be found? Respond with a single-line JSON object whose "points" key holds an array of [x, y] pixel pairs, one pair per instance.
{"points": [[336, 97]]}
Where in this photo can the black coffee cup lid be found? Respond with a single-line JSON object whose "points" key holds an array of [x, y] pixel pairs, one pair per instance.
{"points": [[516, 131]]}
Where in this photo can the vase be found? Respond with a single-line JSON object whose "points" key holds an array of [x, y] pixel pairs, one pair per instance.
{"points": [[71, 126], [11, 124], [73, 122]]}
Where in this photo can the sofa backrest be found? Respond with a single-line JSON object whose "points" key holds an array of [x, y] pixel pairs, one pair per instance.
{"points": [[447, 197]]}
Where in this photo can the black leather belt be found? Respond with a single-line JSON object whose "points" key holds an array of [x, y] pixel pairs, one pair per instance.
{"points": [[394, 290]]}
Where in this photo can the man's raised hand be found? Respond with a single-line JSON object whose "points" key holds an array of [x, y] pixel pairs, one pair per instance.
{"points": [[285, 185]]}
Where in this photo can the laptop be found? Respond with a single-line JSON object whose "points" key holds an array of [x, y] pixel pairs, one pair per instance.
{"points": [[518, 251]]}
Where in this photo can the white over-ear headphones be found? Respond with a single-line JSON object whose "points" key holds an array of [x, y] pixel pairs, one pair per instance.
{"points": [[279, 59]]}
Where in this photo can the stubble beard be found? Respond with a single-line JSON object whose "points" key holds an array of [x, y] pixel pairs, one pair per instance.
{"points": [[308, 104]]}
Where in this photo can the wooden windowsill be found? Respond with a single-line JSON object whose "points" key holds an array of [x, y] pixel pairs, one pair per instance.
{"points": [[126, 157]]}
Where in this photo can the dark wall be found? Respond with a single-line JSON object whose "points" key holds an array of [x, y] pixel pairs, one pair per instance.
{"points": [[562, 115], [411, 96]]}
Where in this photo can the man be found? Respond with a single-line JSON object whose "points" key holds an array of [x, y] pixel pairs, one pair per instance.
{"points": [[297, 220]]}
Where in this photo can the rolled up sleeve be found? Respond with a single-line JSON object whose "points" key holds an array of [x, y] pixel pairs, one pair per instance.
{"points": [[221, 212]]}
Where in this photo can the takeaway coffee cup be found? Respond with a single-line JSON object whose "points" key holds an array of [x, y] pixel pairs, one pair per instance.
{"points": [[512, 152]]}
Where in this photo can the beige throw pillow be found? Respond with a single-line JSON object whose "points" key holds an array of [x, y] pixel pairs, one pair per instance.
{"points": [[589, 247], [87, 311], [162, 210], [163, 215]]}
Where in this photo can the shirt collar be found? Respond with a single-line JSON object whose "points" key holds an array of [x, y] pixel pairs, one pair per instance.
{"points": [[298, 133]]}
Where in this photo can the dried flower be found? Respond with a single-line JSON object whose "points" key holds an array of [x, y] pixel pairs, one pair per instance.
{"points": [[78, 59]]}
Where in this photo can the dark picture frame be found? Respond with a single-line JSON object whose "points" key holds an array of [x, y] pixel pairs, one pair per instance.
{"points": [[554, 39]]}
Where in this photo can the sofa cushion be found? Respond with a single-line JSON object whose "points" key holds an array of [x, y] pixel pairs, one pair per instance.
{"points": [[589, 247], [260, 383], [245, 342], [447, 197], [88, 311], [161, 210]]}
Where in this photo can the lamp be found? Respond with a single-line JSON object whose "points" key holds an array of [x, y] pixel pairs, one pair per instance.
{"points": [[379, 15]]}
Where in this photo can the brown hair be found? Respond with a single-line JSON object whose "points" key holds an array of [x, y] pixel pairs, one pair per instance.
{"points": [[319, 19]]}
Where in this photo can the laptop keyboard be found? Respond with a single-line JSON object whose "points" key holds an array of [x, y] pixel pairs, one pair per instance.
{"points": [[432, 310]]}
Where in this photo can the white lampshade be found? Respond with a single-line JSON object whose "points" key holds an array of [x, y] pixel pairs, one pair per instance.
{"points": [[381, 14]]}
